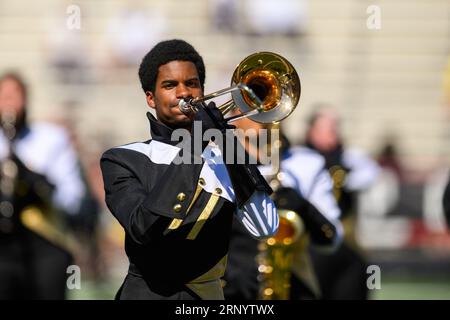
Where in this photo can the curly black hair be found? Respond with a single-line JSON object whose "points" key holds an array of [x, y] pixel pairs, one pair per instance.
{"points": [[164, 52]]}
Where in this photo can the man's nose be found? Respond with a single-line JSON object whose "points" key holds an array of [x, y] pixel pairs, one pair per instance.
{"points": [[183, 92]]}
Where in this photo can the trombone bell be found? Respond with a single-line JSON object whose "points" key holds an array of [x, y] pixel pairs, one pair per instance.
{"points": [[264, 86], [273, 80]]}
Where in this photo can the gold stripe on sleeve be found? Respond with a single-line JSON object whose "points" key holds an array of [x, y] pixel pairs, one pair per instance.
{"points": [[203, 216]]}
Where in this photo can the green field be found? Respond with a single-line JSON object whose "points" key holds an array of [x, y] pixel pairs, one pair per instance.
{"points": [[413, 288], [392, 288]]}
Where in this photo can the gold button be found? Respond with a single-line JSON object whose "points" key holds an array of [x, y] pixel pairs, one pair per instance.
{"points": [[328, 231], [181, 196], [201, 181], [177, 207], [218, 191]]}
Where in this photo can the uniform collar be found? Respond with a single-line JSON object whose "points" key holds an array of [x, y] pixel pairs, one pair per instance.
{"points": [[160, 131]]}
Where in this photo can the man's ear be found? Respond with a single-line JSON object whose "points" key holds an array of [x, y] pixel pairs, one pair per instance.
{"points": [[150, 99]]}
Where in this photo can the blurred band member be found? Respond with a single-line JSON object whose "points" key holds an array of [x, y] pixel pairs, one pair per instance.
{"points": [[343, 274], [39, 178], [306, 188]]}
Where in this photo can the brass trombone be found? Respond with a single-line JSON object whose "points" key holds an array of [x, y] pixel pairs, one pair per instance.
{"points": [[266, 89], [264, 86]]}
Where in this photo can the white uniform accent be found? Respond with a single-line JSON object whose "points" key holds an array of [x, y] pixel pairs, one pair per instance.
{"points": [[364, 171], [259, 215], [157, 152], [305, 172], [215, 173], [47, 150]]}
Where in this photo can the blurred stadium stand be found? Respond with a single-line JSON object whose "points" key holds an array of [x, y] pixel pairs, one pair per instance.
{"points": [[386, 81]]}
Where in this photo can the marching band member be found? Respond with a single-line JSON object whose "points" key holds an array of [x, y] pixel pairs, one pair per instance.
{"points": [[177, 210]]}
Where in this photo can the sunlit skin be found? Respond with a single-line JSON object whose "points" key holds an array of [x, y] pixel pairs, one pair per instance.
{"points": [[176, 80], [12, 98], [324, 133]]}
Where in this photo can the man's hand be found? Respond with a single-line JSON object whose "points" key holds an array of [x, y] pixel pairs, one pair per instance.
{"points": [[212, 118]]}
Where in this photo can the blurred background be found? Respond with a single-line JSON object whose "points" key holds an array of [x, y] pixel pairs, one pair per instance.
{"points": [[383, 65]]}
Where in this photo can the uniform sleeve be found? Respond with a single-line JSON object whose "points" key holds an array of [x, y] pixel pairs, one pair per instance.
{"points": [[259, 215], [321, 197], [138, 210], [64, 173], [125, 197]]}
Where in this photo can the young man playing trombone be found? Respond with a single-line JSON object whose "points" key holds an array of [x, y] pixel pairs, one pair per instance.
{"points": [[177, 214]]}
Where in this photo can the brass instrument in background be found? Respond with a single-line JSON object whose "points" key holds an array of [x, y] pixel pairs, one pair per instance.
{"points": [[276, 254], [264, 86], [39, 218], [276, 257], [8, 175]]}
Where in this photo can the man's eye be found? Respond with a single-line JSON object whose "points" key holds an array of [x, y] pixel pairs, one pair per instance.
{"points": [[169, 86], [193, 84]]}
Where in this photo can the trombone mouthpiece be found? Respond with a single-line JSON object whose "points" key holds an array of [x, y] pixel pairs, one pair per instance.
{"points": [[187, 106], [184, 106]]}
